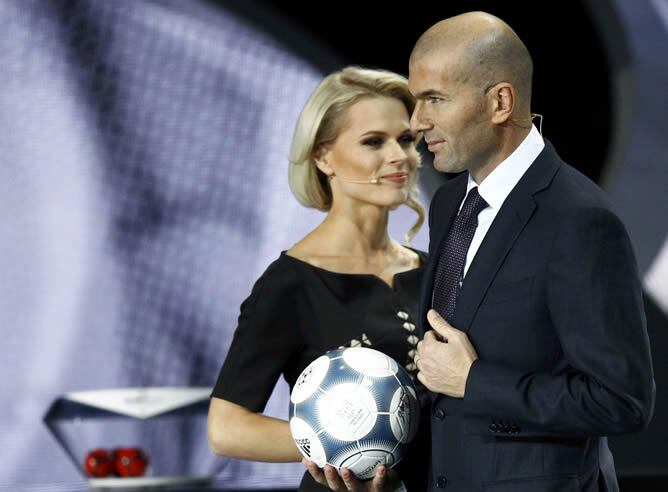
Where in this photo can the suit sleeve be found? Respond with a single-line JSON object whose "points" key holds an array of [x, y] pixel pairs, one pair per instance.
{"points": [[606, 385]]}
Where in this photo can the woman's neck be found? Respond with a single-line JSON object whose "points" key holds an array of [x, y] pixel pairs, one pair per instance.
{"points": [[357, 231]]}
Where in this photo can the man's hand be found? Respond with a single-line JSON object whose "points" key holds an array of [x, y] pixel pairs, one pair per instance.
{"points": [[385, 480], [444, 357]]}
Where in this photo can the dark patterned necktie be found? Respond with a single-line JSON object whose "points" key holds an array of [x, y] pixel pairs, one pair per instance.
{"points": [[450, 267]]}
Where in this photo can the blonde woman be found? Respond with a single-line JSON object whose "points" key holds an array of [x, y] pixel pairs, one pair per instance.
{"points": [[346, 283]]}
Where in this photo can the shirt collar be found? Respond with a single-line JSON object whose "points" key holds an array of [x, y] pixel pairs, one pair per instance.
{"points": [[496, 187]]}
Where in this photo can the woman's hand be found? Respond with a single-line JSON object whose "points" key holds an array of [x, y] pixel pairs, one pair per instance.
{"points": [[384, 481]]}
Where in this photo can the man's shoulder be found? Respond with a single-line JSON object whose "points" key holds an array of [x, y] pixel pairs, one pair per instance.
{"points": [[572, 190]]}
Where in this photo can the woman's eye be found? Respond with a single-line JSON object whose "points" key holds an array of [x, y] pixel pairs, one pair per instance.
{"points": [[373, 142], [407, 139]]}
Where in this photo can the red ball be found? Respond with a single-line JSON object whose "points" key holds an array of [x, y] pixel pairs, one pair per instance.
{"points": [[130, 462], [98, 463]]}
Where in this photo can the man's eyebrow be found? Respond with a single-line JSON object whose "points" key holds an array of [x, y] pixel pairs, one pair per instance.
{"points": [[429, 93]]}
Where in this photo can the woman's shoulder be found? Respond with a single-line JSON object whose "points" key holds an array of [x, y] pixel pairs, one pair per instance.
{"points": [[312, 252], [419, 257], [278, 276], [423, 255], [301, 251], [304, 253]]}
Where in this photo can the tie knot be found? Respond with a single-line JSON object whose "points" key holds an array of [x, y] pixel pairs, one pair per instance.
{"points": [[473, 204]]}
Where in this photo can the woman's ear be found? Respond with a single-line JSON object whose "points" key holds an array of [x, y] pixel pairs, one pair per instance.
{"points": [[321, 161]]}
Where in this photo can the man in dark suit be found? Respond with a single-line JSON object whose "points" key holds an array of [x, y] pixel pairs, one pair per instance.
{"points": [[537, 347]]}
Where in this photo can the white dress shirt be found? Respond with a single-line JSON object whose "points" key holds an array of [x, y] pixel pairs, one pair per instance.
{"points": [[496, 187]]}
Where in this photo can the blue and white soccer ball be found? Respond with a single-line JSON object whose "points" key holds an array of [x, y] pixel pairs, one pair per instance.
{"points": [[354, 408]]}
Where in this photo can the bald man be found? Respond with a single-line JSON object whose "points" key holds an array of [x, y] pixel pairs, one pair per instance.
{"points": [[536, 346]]}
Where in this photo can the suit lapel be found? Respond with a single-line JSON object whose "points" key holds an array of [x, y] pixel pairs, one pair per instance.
{"points": [[498, 241], [444, 213], [515, 212]]}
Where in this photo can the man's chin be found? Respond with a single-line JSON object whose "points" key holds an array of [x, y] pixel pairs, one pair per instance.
{"points": [[446, 167]]}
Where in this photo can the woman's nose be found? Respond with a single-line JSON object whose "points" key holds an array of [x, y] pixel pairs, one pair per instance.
{"points": [[397, 153]]}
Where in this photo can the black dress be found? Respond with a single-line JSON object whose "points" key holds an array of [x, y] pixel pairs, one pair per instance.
{"points": [[296, 312]]}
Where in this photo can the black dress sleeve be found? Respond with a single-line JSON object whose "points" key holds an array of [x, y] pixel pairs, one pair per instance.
{"points": [[265, 339]]}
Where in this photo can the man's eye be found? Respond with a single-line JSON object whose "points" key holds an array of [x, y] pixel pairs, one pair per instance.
{"points": [[435, 100]]}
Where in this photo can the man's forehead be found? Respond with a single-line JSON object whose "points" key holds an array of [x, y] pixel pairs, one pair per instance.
{"points": [[429, 72], [437, 58]]}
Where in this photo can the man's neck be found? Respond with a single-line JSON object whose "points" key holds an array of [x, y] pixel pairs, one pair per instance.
{"points": [[507, 144]]}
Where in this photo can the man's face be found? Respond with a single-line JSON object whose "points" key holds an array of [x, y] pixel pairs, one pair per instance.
{"points": [[450, 113]]}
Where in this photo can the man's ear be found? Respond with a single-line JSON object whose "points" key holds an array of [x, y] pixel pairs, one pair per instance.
{"points": [[321, 161], [503, 102]]}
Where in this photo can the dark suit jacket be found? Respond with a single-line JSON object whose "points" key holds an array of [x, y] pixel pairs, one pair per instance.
{"points": [[553, 306]]}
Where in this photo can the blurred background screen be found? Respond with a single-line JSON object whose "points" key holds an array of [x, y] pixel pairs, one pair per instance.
{"points": [[143, 186]]}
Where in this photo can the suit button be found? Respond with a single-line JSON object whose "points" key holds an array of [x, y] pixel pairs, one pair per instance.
{"points": [[439, 414], [441, 482], [493, 428]]}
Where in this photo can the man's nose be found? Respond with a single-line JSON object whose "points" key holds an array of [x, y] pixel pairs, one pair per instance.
{"points": [[417, 119]]}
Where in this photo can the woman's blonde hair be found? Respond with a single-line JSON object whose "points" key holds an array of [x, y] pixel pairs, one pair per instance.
{"points": [[320, 123]]}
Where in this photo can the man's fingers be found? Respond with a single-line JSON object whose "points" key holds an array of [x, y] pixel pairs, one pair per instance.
{"points": [[423, 380], [429, 336], [442, 328], [436, 320]]}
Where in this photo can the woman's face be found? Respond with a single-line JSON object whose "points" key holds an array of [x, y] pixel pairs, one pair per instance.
{"points": [[375, 145]]}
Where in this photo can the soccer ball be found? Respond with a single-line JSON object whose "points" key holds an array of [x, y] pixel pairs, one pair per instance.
{"points": [[354, 408]]}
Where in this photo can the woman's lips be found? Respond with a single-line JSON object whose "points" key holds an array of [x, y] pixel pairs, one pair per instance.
{"points": [[399, 178]]}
